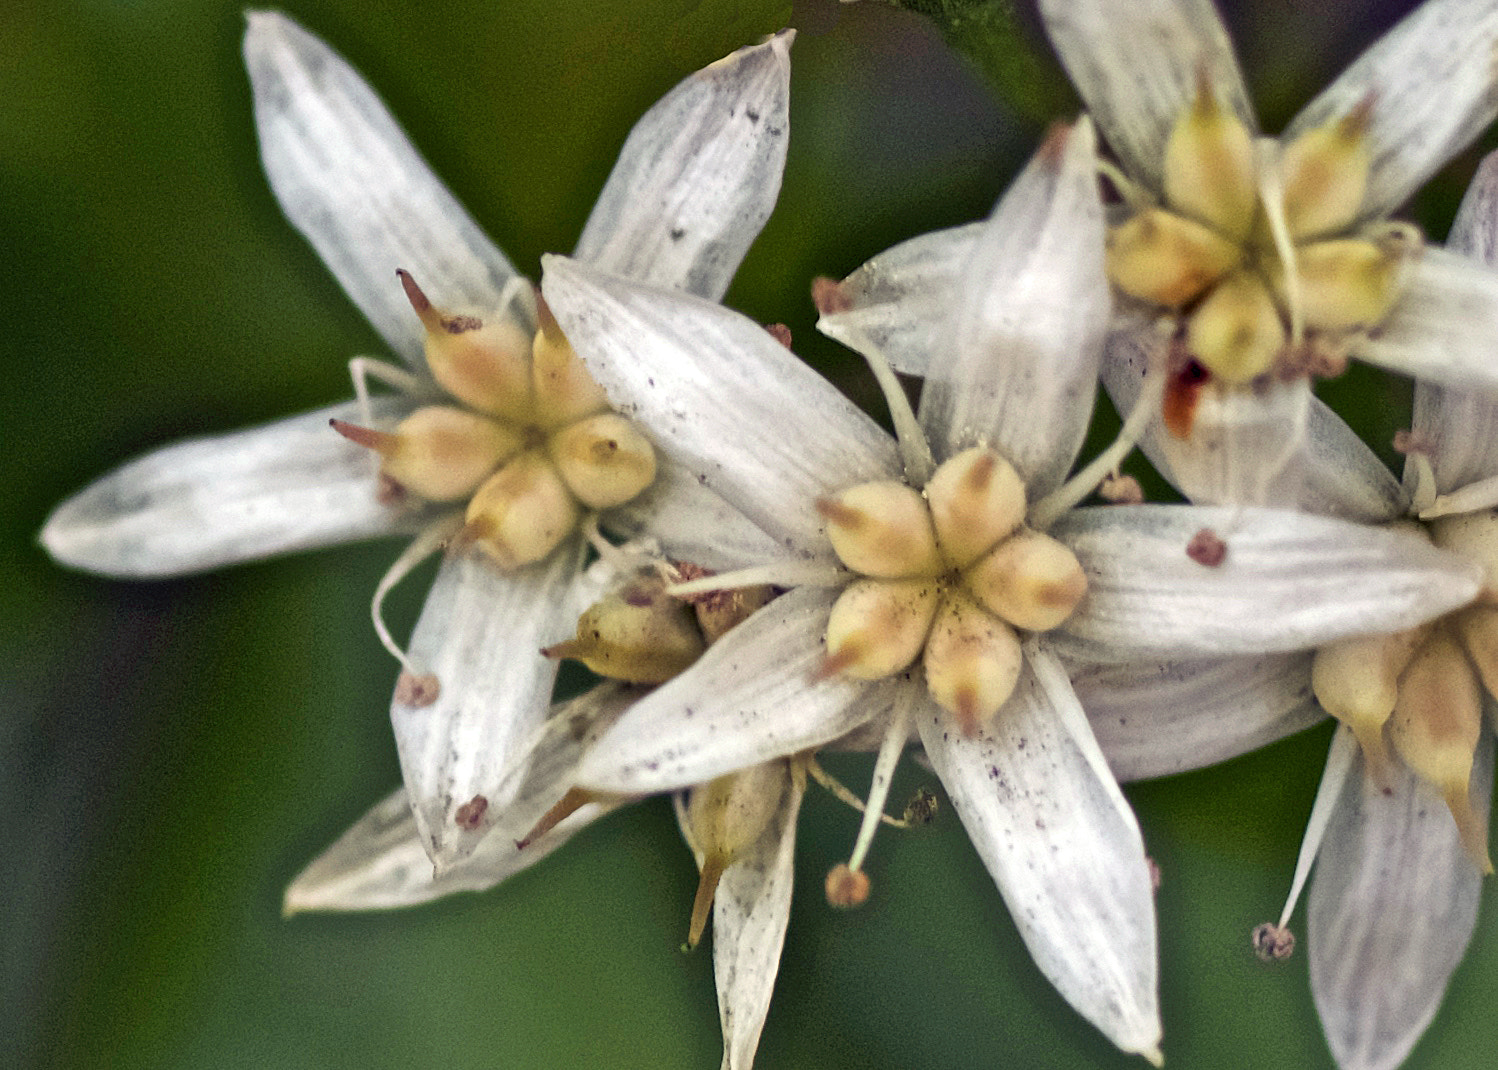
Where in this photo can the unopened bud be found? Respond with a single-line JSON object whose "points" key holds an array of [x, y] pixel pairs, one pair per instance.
{"points": [[1344, 284], [724, 817], [522, 512], [1357, 682], [1209, 167], [972, 663], [877, 627], [1030, 580], [1236, 333], [1324, 173], [564, 390], [638, 634], [441, 453], [605, 459], [484, 363], [1167, 259], [976, 499], [882, 529]]}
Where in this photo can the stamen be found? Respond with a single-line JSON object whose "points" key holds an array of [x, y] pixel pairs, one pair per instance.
{"points": [[890, 749], [1339, 763], [1136, 196], [915, 451], [778, 574], [920, 811], [362, 369], [1272, 197], [1146, 406], [423, 546]]}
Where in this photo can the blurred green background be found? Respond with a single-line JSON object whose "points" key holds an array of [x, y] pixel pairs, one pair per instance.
{"points": [[172, 753]]}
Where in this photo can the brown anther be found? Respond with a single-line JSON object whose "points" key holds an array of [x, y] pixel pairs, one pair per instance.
{"points": [[574, 800], [1272, 943], [847, 888], [780, 332], [829, 297], [1207, 548], [1121, 490], [370, 439], [922, 808], [417, 691], [470, 814], [1182, 392]]}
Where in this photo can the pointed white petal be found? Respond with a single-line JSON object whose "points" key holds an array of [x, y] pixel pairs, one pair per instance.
{"points": [[292, 485], [1062, 846], [480, 633], [1242, 449], [901, 299], [698, 176], [1018, 368], [722, 398], [1431, 82], [1444, 325], [1460, 427], [380, 863], [1289, 581], [692, 523], [752, 697], [1155, 718], [1392, 907], [350, 181], [750, 914], [1137, 67]]}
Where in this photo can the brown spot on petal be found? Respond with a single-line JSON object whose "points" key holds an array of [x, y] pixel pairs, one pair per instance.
{"points": [[828, 295], [1207, 548], [780, 332], [471, 813], [847, 888], [1272, 943], [418, 691]]}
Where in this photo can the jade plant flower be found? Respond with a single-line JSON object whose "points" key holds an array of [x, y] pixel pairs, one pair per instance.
{"points": [[1260, 260], [897, 615], [494, 441]]}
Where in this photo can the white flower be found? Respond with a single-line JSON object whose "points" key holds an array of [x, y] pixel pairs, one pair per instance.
{"points": [[693, 185], [1012, 369]]}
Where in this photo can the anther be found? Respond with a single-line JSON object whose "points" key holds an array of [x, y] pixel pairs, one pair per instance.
{"points": [[471, 814], [847, 888], [1272, 943]]}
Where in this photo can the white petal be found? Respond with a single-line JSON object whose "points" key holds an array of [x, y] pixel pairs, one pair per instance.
{"points": [[750, 914], [291, 485], [698, 176], [1444, 326], [692, 523], [1063, 848], [480, 634], [1155, 718], [1460, 427], [1392, 908], [722, 398], [1019, 362], [363, 196], [1137, 66], [1243, 449], [1433, 91], [752, 697], [380, 863], [1289, 581], [900, 300]]}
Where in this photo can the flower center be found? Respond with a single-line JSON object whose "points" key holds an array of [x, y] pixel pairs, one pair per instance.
{"points": [[1262, 257], [946, 575], [1422, 689], [530, 445]]}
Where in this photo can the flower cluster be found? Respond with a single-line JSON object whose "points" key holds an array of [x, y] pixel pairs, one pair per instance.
{"points": [[773, 573]]}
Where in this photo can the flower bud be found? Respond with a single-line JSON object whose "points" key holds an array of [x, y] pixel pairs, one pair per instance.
{"points": [[484, 363], [638, 634], [522, 512], [1357, 682], [724, 817], [1435, 728], [565, 392], [1030, 580], [1325, 174], [1236, 333], [605, 459], [1209, 167], [976, 499], [1167, 259], [877, 627], [972, 663], [441, 453], [1346, 283], [882, 529]]}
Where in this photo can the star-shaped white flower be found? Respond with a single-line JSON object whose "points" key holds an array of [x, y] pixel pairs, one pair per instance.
{"points": [[1012, 371], [694, 183]]}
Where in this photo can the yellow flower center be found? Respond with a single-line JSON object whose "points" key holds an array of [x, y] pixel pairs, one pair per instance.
{"points": [[946, 575]]}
